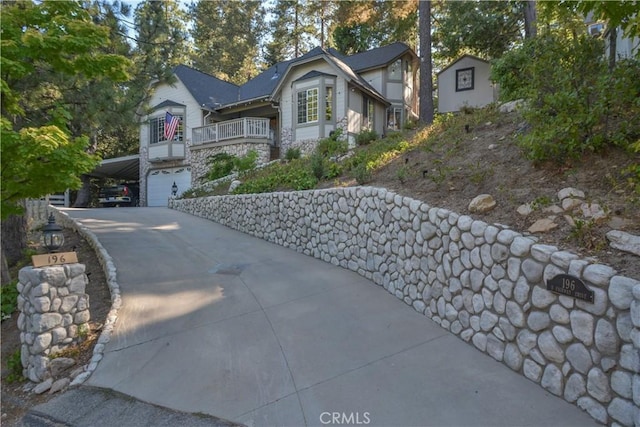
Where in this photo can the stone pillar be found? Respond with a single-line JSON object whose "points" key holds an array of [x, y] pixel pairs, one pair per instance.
{"points": [[54, 313], [635, 338]]}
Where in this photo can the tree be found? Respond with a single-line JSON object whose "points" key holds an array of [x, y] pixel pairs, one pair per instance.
{"points": [[487, 29], [40, 41], [362, 25], [426, 71], [227, 38]]}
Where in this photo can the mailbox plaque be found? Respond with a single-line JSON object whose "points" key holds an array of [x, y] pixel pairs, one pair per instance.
{"points": [[565, 284]]}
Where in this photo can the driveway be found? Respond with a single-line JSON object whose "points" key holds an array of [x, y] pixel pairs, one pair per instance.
{"points": [[217, 322]]}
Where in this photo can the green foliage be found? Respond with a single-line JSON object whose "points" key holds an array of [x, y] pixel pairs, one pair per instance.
{"points": [[402, 173], [14, 365], [366, 136], [246, 162], [292, 153], [362, 173], [54, 55], [464, 26], [295, 175], [39, 161], [221, 165], [9, 299], [317, 162], [574, 103], [332, 146]]}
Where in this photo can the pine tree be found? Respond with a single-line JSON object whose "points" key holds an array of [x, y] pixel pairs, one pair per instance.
{"points": [[227, 38]]}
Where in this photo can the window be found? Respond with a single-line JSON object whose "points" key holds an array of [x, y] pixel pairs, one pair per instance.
{"points": [[464, 79], [328, 104], [368, 110], [156, 130], [308, 106], [394, 118], [395, 70]]}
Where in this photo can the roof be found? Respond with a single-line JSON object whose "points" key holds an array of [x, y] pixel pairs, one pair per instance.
{"points": [[207, 90], [376, 57], [214, 93], [460, 59], [124, 168]]}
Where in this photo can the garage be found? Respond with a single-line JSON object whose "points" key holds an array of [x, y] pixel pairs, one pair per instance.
{"points": [[160, 181]]}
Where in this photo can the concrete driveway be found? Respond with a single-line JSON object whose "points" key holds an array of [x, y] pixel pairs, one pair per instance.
{"points": [[218, 322]]}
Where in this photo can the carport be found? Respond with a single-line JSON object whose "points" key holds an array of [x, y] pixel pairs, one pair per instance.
{"points": [[126, 168]]}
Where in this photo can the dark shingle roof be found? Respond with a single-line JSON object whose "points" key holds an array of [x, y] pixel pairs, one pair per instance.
{"points": [[376, 57], [207, 90], [213, 92]]}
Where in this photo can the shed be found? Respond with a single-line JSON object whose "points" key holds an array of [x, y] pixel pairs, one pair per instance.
{"points": [[465, 82]]}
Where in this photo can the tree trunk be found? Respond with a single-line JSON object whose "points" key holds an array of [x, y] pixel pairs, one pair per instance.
{"points": [[613, 40], [530, 19], [84, 193], [13, 242], [5, 276], [426, 71]]}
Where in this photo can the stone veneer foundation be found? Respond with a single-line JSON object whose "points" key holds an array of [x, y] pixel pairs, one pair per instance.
{"points": [[54, 312], [484, 283]]}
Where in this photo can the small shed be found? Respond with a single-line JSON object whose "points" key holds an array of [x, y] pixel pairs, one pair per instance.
{"points": [[465, 82]]}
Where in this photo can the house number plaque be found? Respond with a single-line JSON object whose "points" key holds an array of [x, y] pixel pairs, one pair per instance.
{"points": [[571, 286]]}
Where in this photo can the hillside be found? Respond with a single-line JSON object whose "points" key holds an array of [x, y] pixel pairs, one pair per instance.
{"points": [[456, 166]]}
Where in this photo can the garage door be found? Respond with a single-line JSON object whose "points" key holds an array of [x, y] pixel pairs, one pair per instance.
{"points": [[160, 182]]}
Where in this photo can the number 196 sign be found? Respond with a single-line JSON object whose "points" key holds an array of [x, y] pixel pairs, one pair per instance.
{"points": [[571, 286], [54, 259]]}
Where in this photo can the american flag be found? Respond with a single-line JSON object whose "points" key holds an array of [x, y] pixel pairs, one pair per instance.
{"points": [[170, 125]]}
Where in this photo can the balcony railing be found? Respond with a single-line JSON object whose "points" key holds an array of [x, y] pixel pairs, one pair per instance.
{"points": [[243, 128]]}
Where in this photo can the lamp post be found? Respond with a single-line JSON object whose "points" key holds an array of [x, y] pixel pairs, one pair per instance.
{"points": [[52, 236], [174, 190]]}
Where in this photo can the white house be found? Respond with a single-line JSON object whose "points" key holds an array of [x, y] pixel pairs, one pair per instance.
{"points": [[294, 103], [465, 83]]}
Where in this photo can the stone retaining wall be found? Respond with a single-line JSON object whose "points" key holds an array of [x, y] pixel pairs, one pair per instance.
{"points": [[54, 313], [484, 283]]}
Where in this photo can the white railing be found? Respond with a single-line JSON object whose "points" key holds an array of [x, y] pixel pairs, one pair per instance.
{"points": [[246, 127]]}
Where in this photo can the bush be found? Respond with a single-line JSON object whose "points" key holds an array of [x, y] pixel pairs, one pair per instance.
{"points": [[317, 165], [365, 137], [362, 174], [332, 146], [575, 103], [292, 154], [221, 165], [246, 162], [9, 299]]}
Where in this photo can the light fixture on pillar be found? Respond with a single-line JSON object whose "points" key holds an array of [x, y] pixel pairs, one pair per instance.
{"points": [[174, 189], [52, 236]]}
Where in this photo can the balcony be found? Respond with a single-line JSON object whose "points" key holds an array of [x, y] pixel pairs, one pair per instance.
{"points": [[166, 150], [246, 129]]}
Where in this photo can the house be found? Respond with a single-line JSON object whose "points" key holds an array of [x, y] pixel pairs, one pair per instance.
{"points": [[465, 83], [292, 104], [625, 47]]}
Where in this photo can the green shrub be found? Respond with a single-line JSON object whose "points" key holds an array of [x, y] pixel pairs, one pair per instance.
{"points": [[317, 162], [575, 104], [332, 146], [14, 365], [246, 162], [9, 299], [292, 154], [365, 137], [362, 174], [221, 165]]}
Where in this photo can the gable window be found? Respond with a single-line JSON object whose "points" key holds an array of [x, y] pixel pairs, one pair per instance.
{"points": [[464, 79], [368, 110], [328, 104], [156, 130], [395, 70], [308, 106]]}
